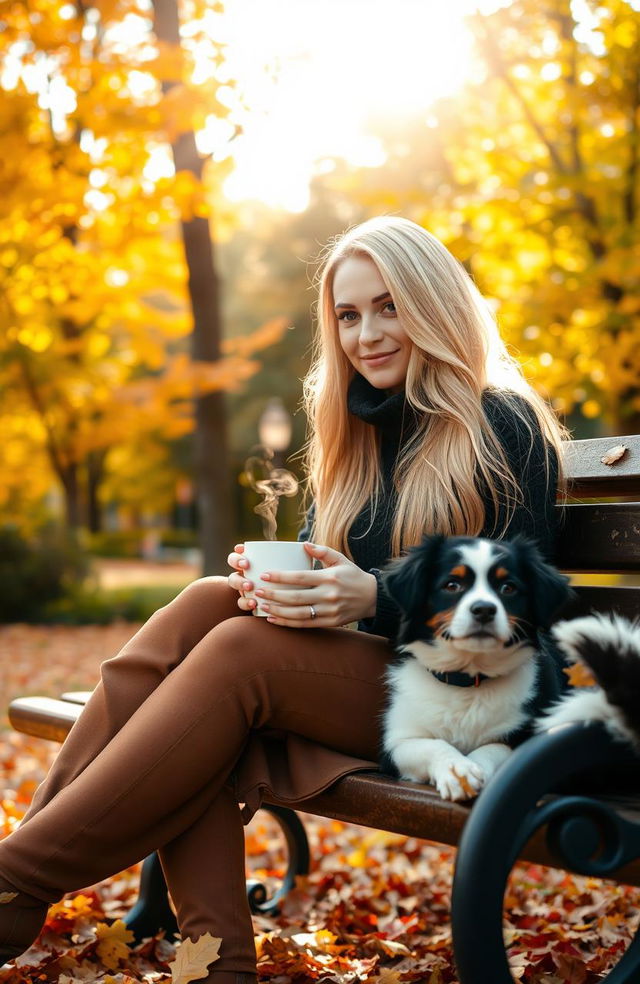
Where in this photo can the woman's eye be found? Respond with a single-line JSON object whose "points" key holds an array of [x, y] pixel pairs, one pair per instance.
{"points": [[507, 588], [344, 316], [390, 307]]}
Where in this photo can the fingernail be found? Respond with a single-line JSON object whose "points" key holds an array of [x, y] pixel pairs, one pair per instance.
{"points": [[260, 592], [246, 586], [266, 608], [265, 577]]}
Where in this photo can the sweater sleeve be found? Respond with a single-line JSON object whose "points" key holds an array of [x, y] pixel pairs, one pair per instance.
{"points": [[535, 471], [385, 620], [387, 615]]}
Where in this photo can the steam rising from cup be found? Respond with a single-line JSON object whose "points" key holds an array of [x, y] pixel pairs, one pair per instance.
{"points": [[269, 482]]}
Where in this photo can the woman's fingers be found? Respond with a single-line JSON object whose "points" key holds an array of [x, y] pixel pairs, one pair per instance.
{"points": [[239, 582], [236, 559]]}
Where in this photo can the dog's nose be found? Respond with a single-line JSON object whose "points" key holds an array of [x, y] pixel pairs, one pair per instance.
{"points": [[483, 611]]}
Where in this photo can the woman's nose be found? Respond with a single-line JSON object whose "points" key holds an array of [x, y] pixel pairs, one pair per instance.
{"points": [[370, 330]]}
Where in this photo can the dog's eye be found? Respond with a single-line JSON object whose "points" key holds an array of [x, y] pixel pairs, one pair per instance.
{"points": [[452, 587], [507, 588]]}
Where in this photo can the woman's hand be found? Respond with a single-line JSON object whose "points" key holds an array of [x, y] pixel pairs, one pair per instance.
{"points": [[338, 594], [238, 580]]}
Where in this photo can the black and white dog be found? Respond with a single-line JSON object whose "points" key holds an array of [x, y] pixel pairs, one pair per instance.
{"points": [[470, 673], [609, 646]]}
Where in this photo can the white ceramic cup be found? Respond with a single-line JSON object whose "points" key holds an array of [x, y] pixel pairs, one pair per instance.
{"points": [[273, 555]]}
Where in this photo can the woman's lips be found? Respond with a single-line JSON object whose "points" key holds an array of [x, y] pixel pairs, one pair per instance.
{"points": [[379, 360]]}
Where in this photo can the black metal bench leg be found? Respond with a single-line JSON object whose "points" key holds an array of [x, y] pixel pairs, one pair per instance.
{"points": [[584, 835], [298, 850], [152, 911]]}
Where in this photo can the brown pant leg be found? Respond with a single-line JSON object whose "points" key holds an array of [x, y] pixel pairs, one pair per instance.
{"points": [[214, 847], [128, 678], [162, 770]]}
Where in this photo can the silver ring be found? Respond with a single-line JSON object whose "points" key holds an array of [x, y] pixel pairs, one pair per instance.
{"points": [[313, 611]]}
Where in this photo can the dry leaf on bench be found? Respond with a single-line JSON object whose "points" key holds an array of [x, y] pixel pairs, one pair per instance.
{"points": [[614, 454], [464, 782], [7, 897], [193, 959]]}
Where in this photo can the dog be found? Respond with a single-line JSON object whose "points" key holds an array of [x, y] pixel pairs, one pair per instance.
{"points": [[470, 673], [609, 647]]}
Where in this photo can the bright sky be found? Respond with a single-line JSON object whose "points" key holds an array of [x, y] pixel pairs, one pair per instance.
{"points": [[314, 72]]}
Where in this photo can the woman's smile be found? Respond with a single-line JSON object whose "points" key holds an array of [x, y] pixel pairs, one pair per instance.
{"points": [[380, 359]]}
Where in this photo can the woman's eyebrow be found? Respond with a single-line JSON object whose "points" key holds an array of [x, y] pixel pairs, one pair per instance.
{"points": [[374, 300]]}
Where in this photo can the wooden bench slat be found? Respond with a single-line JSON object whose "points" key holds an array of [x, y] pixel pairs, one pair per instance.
{"points": [[599, 537], [588, 476], [413, 810], [623, 600], [44, 717], [76, 696]]}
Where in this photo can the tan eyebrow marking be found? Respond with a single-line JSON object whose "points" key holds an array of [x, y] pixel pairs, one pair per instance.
{"points": [[460, 571], [374, 300], [502, 572]]}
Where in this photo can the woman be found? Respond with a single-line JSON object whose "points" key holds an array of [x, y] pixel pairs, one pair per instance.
{"points": [[419, 421]]}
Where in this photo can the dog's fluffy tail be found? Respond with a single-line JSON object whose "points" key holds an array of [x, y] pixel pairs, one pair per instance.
{"points": [[609, 646]]}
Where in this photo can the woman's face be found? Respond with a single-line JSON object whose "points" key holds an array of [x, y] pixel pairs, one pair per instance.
{"points": [[371, 334]]}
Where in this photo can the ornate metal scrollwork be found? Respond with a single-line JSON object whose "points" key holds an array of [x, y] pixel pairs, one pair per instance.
{"points": [[584, 834], [298, 851], [153, 912]]}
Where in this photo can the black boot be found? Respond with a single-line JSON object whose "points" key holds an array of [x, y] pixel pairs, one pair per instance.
{"points": [[21, 918]]}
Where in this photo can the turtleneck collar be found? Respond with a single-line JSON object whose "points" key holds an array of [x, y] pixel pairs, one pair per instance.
{"points": [[375, 406]]}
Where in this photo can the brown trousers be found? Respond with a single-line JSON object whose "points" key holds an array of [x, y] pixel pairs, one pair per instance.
{"points": [[147, 764]]}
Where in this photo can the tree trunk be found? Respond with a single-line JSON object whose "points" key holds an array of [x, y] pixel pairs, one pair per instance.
{"points": [[68, 475], [95, 471], [211, 457]]}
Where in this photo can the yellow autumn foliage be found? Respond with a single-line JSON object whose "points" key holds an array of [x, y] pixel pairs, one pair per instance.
{"points": [[94, 313]]}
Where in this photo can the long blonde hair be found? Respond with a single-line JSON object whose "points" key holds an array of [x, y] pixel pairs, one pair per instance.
{"points": [[457, 354]]}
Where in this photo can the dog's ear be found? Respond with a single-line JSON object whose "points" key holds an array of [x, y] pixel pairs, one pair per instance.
{"points": [[405, 580], [550, 589]]}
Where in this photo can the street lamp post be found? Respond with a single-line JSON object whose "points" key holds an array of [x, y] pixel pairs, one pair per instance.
{"points": [[275, 428]]}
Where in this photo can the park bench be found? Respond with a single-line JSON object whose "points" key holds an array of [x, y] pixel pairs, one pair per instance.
{"points": [[564, 799]]}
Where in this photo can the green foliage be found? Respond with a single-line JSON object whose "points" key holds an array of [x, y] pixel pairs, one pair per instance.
{"points": [[130, 543], [37, 570], [100, 607], [117, 543]]}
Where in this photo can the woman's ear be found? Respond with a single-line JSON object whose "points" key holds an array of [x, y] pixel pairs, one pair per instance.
{"points": [[405, 580]]}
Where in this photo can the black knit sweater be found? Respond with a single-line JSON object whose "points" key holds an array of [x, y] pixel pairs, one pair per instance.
{"points": [[370, 538]]}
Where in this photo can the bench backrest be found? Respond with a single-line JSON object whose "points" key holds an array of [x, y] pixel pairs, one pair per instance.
{"points": [[602, 536]]}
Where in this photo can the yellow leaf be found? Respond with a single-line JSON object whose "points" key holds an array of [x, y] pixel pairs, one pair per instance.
{"points": [[579, 675], [113, 943], [193, 959], [7, 897], [387, 976]]}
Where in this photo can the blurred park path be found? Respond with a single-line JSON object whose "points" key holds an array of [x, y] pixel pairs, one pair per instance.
{"points": [[116, 573]]}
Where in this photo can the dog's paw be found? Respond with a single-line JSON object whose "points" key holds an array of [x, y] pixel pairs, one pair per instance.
{"points": [[459, 780]]}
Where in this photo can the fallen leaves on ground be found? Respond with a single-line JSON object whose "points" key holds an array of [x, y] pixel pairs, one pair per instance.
{"points": [[375, 908], [194, 958]]}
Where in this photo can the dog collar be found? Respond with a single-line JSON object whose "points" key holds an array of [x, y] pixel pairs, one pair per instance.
{"points": [[457, 679]]}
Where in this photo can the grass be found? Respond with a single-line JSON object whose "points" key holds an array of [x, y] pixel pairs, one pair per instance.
{"points": [[100, 606]]}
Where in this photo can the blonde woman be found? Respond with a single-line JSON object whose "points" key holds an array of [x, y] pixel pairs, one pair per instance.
{"points": [[419, 421]]}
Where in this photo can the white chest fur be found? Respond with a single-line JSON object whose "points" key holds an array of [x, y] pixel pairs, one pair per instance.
{"points": [[421, 706]]}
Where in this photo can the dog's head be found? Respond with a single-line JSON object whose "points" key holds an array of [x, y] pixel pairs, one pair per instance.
{"points": [[472, 604]]}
